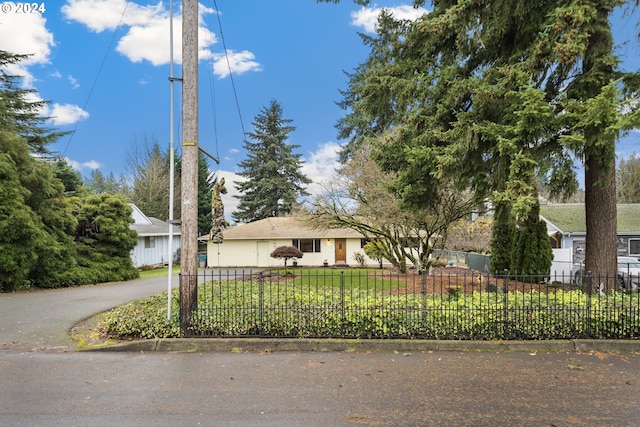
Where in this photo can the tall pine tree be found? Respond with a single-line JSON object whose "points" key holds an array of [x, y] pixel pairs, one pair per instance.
{"points": [[20, 113], [272, 170]]}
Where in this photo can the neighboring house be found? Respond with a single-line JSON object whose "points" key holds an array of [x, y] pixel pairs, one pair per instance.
{"points": [[250, 245], [566, 224], [152, 248]]}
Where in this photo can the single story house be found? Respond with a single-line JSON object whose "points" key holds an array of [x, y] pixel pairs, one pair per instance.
{"points": [[250, 245], [567, 227], [152, 248]]}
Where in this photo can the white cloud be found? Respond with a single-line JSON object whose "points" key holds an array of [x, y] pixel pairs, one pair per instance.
{"points": [[101, 15], [320, 166], [25, 34], [238, 62], [66, 114], [74, 82], [79, 166], [367, 18], [147, 36]]}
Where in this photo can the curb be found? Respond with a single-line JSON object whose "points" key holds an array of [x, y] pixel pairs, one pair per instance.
{"points": [[242, 345]]}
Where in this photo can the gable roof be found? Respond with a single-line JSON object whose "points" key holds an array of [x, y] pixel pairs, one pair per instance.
{"points": [[570, 218], [149, 226], [285, 228]]}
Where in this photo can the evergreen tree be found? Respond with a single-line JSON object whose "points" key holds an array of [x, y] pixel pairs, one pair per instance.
{"points": [[537, 82], [104, 238], [71, 179], [204, 196], [272, 170], [503, 239], [532, 254], [21, 116], [97, 183], [36, 222]]}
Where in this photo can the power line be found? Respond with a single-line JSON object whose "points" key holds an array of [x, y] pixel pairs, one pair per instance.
{"points": [[226, 55], [95, 81]]}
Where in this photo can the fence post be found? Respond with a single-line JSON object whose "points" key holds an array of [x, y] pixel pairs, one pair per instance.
{"points": [[505, 302], [423, 291], [261, 303], [589, 290], [342, 308]]}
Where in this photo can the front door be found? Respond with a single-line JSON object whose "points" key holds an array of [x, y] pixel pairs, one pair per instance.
{"points": [[341, 251]]}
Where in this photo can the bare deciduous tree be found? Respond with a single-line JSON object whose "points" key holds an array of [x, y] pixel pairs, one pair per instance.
{"points": [[358, 199]]}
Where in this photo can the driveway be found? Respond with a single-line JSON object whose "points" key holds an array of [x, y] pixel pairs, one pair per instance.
{"points": [[44, 383], [41, 320]]}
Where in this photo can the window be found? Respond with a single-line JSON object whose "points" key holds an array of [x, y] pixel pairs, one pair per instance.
{"points": [[634, 247], [150, 242], [307, 245]]}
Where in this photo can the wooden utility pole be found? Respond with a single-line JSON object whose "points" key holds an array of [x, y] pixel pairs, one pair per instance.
{"points": [[189, 179]]}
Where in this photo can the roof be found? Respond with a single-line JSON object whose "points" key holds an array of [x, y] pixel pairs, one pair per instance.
{"points": [[149, 226], [570, 218], [285, 228]]}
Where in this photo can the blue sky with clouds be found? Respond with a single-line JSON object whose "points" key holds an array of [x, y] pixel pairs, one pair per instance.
{"points": [[104, 65]]}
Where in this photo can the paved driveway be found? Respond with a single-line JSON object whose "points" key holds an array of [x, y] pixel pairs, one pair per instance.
{"points": [[44, 383], [40, 320]]}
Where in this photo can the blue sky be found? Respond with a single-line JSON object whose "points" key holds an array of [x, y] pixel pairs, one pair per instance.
{"points": [[104, 65]]}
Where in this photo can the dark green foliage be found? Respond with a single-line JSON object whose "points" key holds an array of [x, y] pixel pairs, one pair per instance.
{"points": [[104, 238], [272, 170], [71, 179], [503, 239], [204, 196], [46, 238], [97, 183], [36, 248], [473, 83], [21, 116], [532, 254]]}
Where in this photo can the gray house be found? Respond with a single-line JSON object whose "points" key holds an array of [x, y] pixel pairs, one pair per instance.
{"points": [[153, 240], [566, 224]]}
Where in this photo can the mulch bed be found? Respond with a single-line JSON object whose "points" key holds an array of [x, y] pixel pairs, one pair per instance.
{"points": [[458, 280]]}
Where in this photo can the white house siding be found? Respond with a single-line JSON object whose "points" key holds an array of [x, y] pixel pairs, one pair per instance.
{"points": [[159, 254], [257, 253], [562, 264]]}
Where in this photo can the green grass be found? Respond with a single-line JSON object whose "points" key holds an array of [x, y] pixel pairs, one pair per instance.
{"points": [[366, 279], [158, 272]]}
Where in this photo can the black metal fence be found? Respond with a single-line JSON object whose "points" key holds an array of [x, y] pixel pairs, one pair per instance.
{"points": [[448, 303]]}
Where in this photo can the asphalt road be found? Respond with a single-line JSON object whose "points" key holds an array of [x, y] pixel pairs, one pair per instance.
{"points": [[43, 382]]}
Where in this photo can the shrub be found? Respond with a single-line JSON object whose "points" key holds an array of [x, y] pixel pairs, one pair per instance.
{"points": [[360, 259], [286, 252], [247, 308]]}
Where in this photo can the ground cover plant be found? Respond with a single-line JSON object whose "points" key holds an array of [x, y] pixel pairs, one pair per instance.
{"points": [[304, 307]]}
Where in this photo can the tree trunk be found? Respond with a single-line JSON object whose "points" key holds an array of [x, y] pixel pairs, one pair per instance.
{"points": [[601, 215], [599, 159]]}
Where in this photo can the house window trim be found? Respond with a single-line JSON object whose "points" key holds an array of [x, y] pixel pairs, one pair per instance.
{"points": [[315, 245], [149, 242], [637, 241]]}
